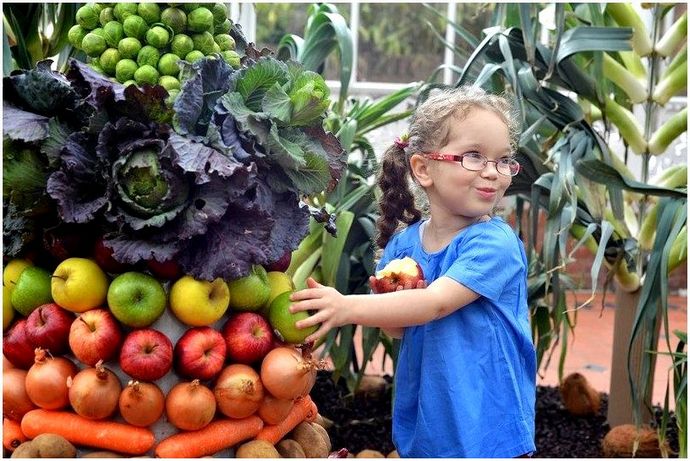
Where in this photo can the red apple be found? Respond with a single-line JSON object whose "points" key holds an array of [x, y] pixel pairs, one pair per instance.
{"points": [[48, 327], [200, 353], [248, 337], [280, 265], [103, 256], [169, 270], [399, 272], [146, 354], [95, 335], [17, 347]]}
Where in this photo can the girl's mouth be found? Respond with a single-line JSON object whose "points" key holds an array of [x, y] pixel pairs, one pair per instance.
{"points": [[486, 192]]}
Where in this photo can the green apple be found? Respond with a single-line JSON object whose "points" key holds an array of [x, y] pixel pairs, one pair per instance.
{"points": [[199, 303], [31, 290], [283, 321], [250, 293], [7, 309], [12, 270], [79, 284], [136, 299]]}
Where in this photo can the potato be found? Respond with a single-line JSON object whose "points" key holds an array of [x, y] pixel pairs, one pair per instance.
{"points": [[257, 449], [367, 453], [323, 421], [289, 448], [53, 446], [25, 450], [311, 440]]}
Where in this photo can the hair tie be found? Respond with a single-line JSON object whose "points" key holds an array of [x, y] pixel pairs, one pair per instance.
{"points": [[402, 141]]}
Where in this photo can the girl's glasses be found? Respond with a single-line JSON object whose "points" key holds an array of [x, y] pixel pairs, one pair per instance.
{"points": [[474, 161]]}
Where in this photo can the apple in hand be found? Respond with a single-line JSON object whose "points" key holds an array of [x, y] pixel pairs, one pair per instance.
{"points": [[146, 354], [79, 284], [48, 327], [398, 272], [94, 335], [200, 353], [17, 347], [281, 265], [248, 336]]}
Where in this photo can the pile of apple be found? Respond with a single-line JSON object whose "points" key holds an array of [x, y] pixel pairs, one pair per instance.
{"points": [[153, 326]]}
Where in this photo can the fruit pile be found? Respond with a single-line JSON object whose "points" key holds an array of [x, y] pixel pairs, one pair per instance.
{"points": [[211, 365], [142, 43]]}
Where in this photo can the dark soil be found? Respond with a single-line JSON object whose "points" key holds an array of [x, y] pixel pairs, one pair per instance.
{"points": [[365, 422]]}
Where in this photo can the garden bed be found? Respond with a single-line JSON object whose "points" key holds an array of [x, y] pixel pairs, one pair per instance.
{"points": [[362, 422]]}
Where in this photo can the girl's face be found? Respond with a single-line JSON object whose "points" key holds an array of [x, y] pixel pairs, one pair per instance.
{"points": [[457, 190]]}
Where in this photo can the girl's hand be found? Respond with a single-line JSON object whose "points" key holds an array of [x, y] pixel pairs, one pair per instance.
{"points": [[374, 284], [329, 306]]}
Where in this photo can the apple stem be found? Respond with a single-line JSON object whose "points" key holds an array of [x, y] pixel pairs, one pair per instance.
{"points": [[58, 277]]}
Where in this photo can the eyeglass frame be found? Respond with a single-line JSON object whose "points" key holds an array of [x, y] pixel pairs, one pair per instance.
{"points": [[457, 158]]}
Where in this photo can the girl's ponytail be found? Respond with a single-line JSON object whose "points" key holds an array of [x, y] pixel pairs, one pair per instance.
{"points": [[397, 201]]}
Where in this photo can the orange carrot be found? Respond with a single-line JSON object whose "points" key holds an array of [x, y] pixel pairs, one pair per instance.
{"points": [[216, 436], [108, 435], [303, 410], [12, 435]]}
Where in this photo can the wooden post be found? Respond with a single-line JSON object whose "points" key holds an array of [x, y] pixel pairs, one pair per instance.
{"points": [[620, 409]]}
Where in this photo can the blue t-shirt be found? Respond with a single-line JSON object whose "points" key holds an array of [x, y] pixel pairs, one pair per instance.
{"points": [[466, 383]]}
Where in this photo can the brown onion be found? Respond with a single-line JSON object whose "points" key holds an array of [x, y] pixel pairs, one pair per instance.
{"points": [[141, 404], [273, 410], [238, 391], [287, 374], [94, 392], [46, 380], [15, 401], [190, 406]]}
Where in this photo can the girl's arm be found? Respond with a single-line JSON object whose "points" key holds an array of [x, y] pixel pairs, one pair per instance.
{"points": [[395, 310]]}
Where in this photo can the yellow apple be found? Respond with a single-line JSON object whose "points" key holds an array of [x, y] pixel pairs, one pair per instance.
{"points": [[79, 284], [11, 272], [7, 309], [279, 282], [199, 303]]}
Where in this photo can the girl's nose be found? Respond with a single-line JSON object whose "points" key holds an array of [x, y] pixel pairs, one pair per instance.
{"points": [[490, 170]]}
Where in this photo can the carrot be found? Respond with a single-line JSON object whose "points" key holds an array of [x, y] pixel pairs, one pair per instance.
{"points": [[108, 435], [216, 436], [303, 410], [12, 435]]}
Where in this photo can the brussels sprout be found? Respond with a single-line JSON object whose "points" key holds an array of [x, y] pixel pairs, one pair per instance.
{"points": [[174, 18], [220, 13], [158, 36], [113, 33], [148, 55], [181, 45], [194, 56], [200, 20], [203, 42], [124, 70], [106, 15], [168, 64], [172, 96], [129, 47], [97, 7], [216, 48], [109, 60], [189, 7], [93, 44], [169, 83], [225, 42], [151, 12], [223, 28], [99, 31], [129, 82], [135, 26], [146, 74], [76, 35], [87, 17], [97, 67], [232, 58], [123, 10]]}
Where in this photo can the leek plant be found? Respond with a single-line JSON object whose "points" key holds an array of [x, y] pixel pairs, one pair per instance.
{"points": [[601, 66]]}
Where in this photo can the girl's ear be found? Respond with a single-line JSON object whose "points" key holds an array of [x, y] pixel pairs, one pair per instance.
{"points": [[420, 170]]}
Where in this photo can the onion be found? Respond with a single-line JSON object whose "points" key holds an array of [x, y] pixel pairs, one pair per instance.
{"points": [[141, 404], [238, 391], [15, 401], [190, 406], [287, 374], [46, 380], [6, 364], [94, 392], [273, 410]]}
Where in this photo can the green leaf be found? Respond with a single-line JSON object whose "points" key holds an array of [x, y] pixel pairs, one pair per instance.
{"points": [[258, 79], [600, 172], [333, 247], [277, 104]]}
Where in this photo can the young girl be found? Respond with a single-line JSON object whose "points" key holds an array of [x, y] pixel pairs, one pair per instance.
{"points": [[465, 378]]}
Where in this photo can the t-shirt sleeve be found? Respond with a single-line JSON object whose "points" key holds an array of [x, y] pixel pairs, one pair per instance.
{"points": [[486, 262]]}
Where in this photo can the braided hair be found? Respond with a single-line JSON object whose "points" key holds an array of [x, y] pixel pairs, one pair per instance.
{"points": [[429, 131]]}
